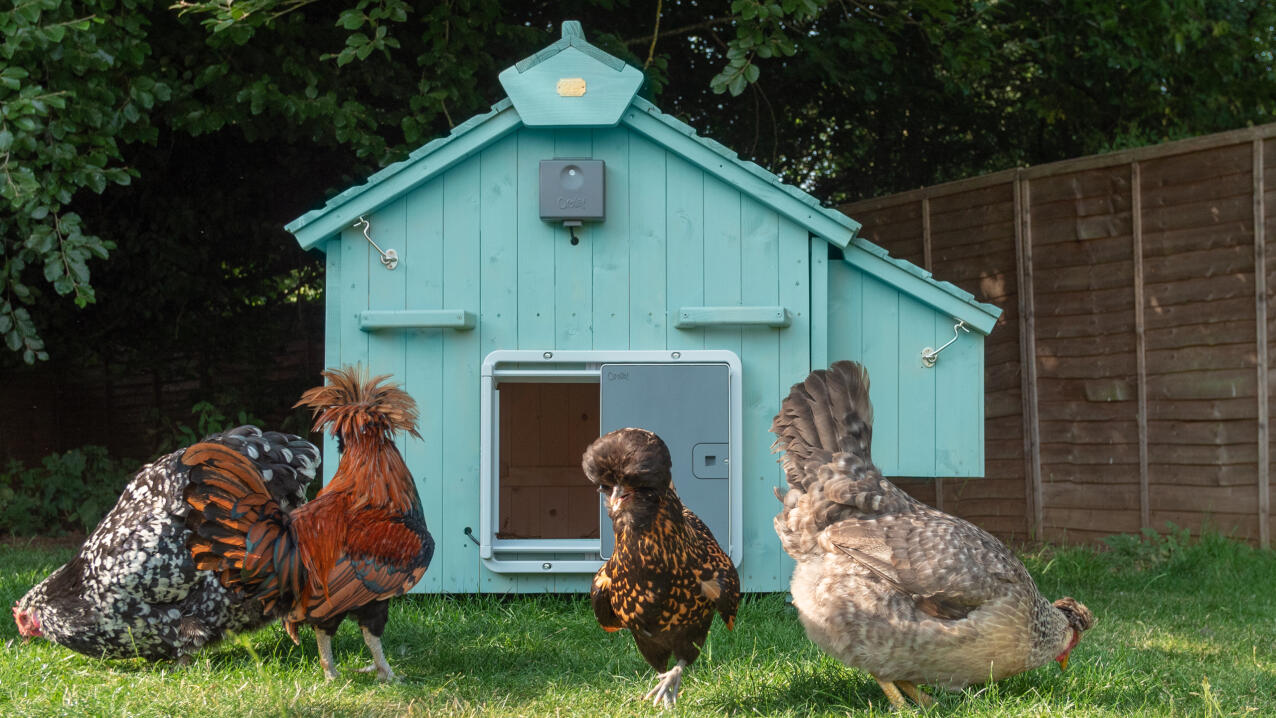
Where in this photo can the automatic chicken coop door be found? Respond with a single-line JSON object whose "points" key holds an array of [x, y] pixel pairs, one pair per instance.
{"points": [[539, 514]]}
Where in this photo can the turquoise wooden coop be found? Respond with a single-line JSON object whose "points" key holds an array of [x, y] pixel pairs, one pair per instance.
{"points": [[574, 261]]}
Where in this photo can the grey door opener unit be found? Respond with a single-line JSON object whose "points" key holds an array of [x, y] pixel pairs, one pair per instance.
{"points": [[689, 407]]}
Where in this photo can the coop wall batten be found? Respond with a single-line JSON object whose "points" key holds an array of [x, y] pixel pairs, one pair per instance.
{"points": [[701, 258]]}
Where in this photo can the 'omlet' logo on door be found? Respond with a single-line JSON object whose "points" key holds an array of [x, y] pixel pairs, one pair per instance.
{"points": [[617, 376], [571, 202]]}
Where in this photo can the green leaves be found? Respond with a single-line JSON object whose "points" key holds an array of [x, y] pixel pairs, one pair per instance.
{"points": [[370, 14], [70, 92], [762, 31]]}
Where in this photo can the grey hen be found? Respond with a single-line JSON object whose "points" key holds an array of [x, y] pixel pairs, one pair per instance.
{"points": [[888, 584], [133, 590]]}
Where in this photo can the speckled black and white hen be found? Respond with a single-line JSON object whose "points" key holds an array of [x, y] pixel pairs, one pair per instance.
{"points": [[888, 584], [133, 590]]}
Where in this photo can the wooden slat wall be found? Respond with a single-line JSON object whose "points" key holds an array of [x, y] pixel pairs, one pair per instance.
{"points": [[472, 239], [1149, 332]]}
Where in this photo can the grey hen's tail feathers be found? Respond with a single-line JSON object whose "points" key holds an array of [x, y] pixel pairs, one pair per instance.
{"points": [[825, 428], [829, 412]]}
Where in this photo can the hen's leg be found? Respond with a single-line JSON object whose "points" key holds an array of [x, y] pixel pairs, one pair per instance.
{"points": [[917, 694], [379, 663], [892, 692], [667, 689], [324, 639]]}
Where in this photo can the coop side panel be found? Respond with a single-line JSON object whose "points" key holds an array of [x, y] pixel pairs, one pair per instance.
{"points": [[648, 245], [573, 264], [760, 262], [969, 235], [927, 420], [423, 373], [536, 241], [498, 239], [793, 363], [457, 556], [685, 249], [611, 244]]}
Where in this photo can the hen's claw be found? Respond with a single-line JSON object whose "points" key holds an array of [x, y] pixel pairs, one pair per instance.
{"points": [[667, 689], [917, 694]]}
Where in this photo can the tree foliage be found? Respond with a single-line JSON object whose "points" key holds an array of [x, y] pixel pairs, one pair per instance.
{"points": [[70, 95], [176, 140]]}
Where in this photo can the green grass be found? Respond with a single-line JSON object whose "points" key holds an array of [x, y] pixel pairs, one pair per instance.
{"points": [[1184, 629]]}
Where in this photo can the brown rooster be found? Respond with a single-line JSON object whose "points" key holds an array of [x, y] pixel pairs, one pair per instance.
{"points": [[887, 584], [667, 575], [361, 541]]}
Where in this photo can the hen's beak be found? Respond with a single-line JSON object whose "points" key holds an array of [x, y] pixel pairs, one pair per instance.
{"points": [[1063, 661], [613, 501]]}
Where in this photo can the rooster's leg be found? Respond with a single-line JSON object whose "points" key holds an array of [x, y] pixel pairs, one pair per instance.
{"points": [[379, 663], [667, 689], [917, 694], [325, 653], [892, 692]]}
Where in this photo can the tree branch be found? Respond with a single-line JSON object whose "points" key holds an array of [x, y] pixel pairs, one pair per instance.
{"points": [[705, 24]]}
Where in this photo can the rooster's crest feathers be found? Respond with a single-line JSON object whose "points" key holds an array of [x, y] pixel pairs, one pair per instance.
{"points": [[354, 405]]}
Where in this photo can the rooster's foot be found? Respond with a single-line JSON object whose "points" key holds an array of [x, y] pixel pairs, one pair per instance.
{"points": [[325, 654], [379, 664], [667, 689]]}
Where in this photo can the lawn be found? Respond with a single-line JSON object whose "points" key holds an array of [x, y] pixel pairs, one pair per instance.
{"points": [[1184, 629]]}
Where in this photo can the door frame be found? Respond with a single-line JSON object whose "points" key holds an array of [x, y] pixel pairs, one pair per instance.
{"points": [[582, 555]]}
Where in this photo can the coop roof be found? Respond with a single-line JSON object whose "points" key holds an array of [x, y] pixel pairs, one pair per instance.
{"points": [[574, 84]]}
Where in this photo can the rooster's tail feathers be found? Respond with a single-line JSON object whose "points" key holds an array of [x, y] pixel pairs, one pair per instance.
{"points": [[287, 463], [238, 530], [351, 404]]}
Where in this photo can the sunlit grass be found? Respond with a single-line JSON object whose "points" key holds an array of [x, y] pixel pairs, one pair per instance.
{"points": [[1191, 633]]}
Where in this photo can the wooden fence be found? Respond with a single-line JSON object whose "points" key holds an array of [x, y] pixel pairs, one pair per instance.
{"points": [[1127, 382], [54, 408]]}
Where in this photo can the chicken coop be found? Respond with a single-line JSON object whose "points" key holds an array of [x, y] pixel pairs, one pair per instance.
{"points": [[1129, 384], [575, 261]]}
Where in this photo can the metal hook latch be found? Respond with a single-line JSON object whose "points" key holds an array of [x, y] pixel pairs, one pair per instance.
{"points": [[930, 356], [389, 257]]}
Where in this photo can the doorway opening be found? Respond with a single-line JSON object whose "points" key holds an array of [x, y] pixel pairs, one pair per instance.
{"points": [[544, 430]]}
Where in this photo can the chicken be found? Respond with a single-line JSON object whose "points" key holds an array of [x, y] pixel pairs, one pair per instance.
{"points": [[667, 575], [360, 542], [887, 584], [132, 589]]}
